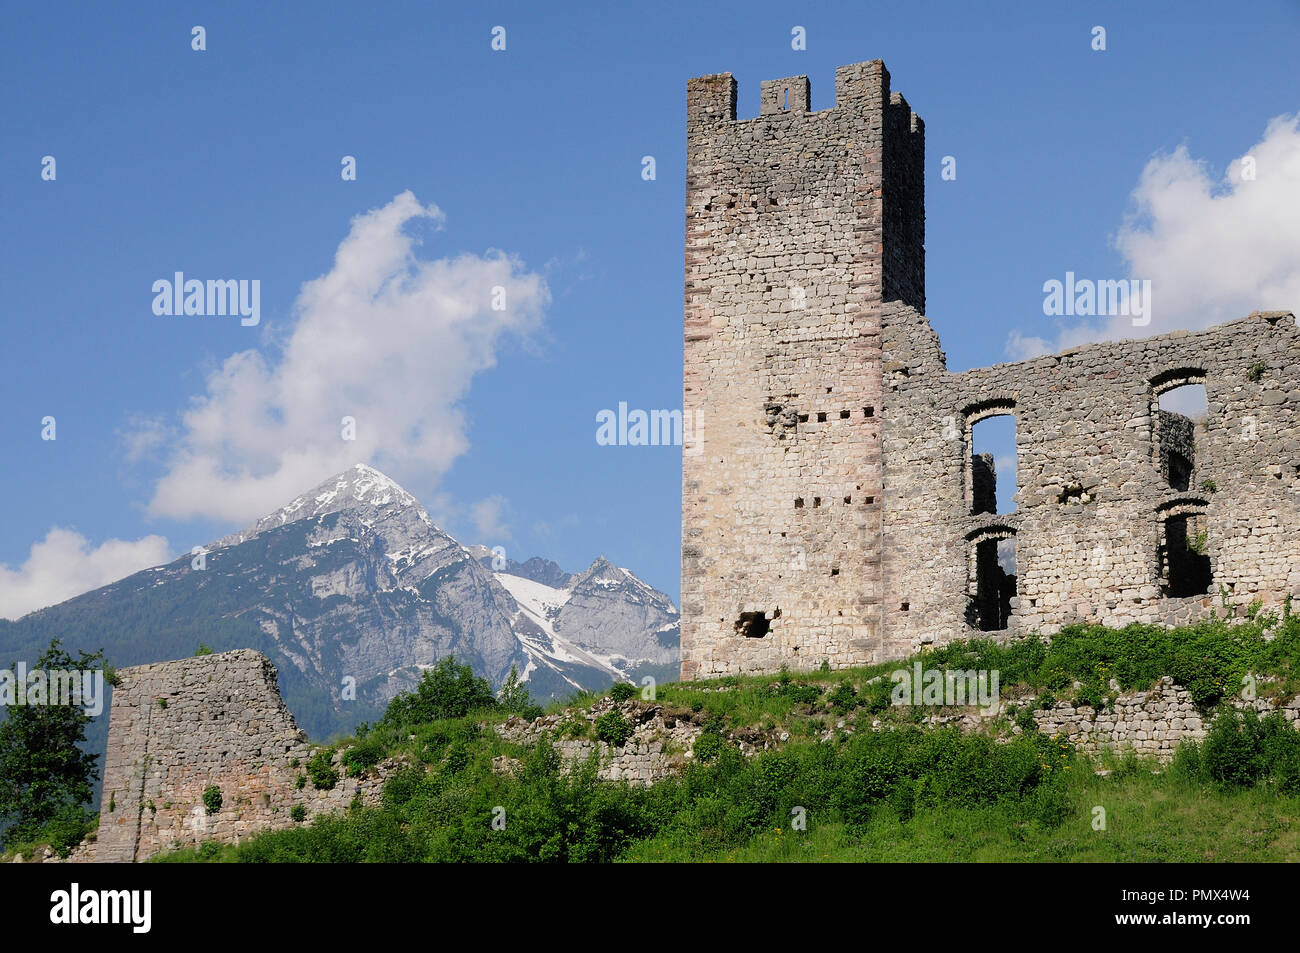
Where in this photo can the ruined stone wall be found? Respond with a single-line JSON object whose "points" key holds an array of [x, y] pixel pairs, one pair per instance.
{"points": [[177, 727], [1093, 500], [835, 510], [798, 225], [1151, 723]]}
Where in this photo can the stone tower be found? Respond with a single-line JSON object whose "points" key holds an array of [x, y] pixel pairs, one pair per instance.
{"points": [[800, 225]]}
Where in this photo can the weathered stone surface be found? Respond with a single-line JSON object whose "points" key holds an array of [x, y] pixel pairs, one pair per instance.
{"points": [[833, 508], [177, 727], [1148, 723]]}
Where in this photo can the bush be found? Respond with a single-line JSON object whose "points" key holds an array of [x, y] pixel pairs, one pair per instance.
{"points": [[212, 798], [320, 769], [622, 691], [708, 745], [843, 698], [298, 812], [365, 754], [613, 729], [447, 690], [1242, 750]]}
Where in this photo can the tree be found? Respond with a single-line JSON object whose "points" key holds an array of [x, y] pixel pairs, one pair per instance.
{"points": [[515, 698], [45, 776], [447, 690]]}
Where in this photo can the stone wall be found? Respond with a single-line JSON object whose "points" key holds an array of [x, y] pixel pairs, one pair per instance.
{"points": [[798, 225], [177, 727], [1094, 506], [660, 744], [1149, 723], [834, 509]]}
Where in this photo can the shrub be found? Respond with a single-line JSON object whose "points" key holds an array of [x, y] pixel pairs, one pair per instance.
{"points": [[447, 690], [298, 812], [708, 745], [365, 754], [622, 691], [1051, 804], [212, 798], [613, 729], [516, 699], [321, 770], [843, 698]]}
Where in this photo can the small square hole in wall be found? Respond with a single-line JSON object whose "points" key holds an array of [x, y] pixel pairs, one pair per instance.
{"points": [[803, 418], [817, 501], [905, 606], [848, 499], [844, 415], [828, 390], [835, 572], [821, 417], [868, 411], [869, 500], [798, 502]]}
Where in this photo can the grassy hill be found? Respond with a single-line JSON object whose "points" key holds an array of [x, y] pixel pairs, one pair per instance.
{"points": [[854, 777]]}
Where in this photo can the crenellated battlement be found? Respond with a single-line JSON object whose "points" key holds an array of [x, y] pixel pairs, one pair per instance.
{"points": [[859, 88]]}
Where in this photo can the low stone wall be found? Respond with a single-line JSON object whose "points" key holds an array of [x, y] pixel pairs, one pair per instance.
{"points": [[660, 745], [1149, 723]]}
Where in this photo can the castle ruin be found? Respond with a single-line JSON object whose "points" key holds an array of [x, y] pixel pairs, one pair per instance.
{"points": [[178, 728], [836, 509]]}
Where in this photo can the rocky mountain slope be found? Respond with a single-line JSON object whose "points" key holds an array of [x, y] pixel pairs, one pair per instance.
{"points": [[352, 590]]}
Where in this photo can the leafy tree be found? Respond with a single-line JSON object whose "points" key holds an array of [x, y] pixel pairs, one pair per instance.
{"points": [[515, 698], [44, 774], [447, 690]]}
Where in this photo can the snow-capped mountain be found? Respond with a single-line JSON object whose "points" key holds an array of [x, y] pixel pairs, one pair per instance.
{"points": [[604, 616], [353, 590]]}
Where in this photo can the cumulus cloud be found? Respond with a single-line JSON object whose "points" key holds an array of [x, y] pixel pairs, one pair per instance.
{"points": [[385, 339], [1215, 248], [64, 565], [489, 519]]}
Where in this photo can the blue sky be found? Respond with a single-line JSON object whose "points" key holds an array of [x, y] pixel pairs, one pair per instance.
{"points": [[225, 163]]}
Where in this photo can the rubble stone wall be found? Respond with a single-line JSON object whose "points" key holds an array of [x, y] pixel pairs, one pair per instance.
{"points": [[177, 727]]}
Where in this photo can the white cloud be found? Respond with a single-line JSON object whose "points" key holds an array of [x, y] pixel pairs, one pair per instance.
{"points": [[1214, 249], [385, 338], [64, 565], [489, 523]]}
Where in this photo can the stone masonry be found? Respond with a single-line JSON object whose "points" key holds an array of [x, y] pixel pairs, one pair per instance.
{"points": [[1152, 722], [835, 509], [177, 727]]}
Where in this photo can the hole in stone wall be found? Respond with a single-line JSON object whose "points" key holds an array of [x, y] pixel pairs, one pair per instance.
{"points": [[1076, 493], [821, 417], [993, 465], [798, 502], [868, 411], [755, 625], [803, 418], [848, 499], [869, 500], [817, 501], [904, 607], [1181, 416], [1184, 566], [835, 572], [844, 415], [995, 584]]}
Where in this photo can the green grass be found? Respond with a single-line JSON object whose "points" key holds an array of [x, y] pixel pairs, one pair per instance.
{"points": [[902, 793]]}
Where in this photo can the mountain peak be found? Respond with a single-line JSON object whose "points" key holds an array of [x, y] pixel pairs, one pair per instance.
{"points": [[360, 487]]}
